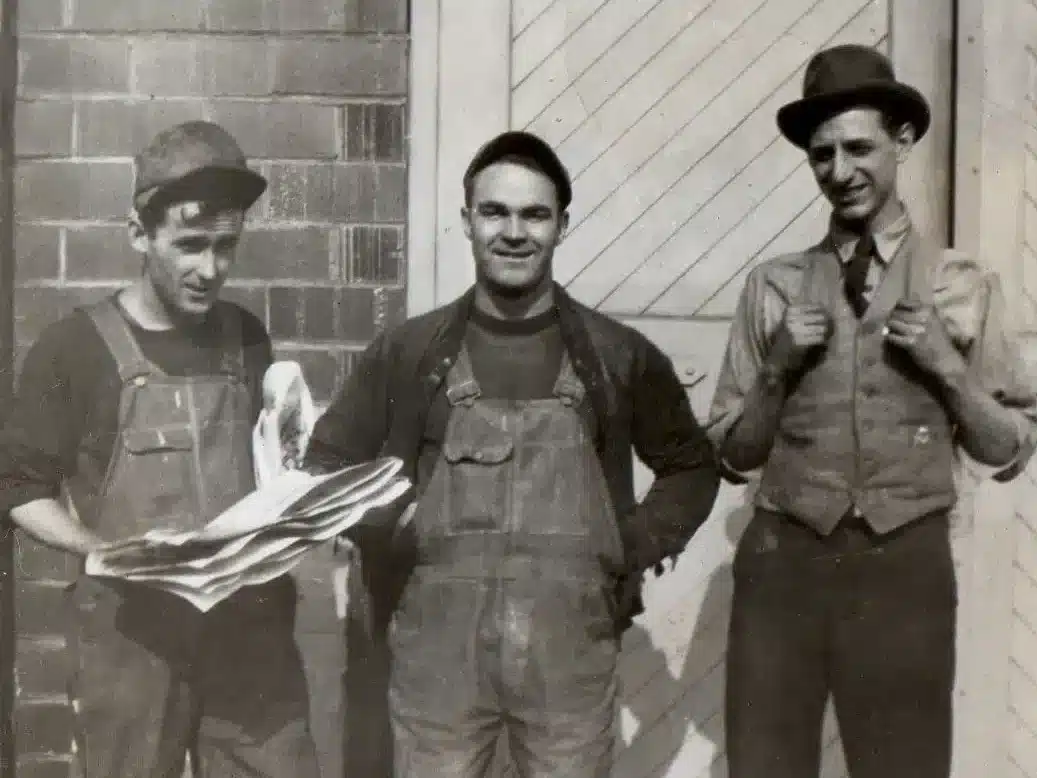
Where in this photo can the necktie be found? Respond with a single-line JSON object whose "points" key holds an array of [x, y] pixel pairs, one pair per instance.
{"points": [[855, 274]]}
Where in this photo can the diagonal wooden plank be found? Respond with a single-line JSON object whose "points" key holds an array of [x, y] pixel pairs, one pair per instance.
{"points": [[806, 230], [690, 715], [658, 678], [644, 43], [754, 65], [781, 208], [1023, 698], [677, 607], [1022, 747], [586, 46], [525, 12], [1022, 650], [1025, 598], [1026, 495], [670, 240], [651, 91], [1013, 769], [738, 167], [1026, 551], [547, 33]]}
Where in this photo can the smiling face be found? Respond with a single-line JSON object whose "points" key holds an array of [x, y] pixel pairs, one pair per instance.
{"points": [[855, 156], [188, 255], [514, 223]]}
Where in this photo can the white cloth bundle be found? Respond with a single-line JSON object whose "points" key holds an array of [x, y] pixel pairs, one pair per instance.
{"points": [[285, 424]]}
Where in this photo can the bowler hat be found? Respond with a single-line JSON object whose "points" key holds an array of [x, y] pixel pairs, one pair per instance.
{"points": [[844, 77], [523, 144], [194, 160]]}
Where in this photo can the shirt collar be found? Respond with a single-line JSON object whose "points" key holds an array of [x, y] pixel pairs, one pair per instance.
{"points": [[887, 241]]}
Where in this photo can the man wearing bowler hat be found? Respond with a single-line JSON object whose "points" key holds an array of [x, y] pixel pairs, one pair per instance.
{"points": [[857, 371], [140, 409]]}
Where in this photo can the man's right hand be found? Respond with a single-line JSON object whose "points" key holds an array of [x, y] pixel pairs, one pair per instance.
{"points": [[803, 328]]}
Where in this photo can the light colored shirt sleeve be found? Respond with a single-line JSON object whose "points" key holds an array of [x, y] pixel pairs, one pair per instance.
{"points": [[757, 314], [971, 304]]}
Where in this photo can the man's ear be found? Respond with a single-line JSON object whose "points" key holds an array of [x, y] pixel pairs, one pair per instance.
{"points": [[466, 221], [905, 140], [563, 225], [139, 237]]}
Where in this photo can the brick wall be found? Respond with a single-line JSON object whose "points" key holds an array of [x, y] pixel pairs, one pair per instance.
{"points": [[315, 91]]}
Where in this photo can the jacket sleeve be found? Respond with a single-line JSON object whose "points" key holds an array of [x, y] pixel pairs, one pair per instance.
{"points": [[356, 423], [670, 441]]}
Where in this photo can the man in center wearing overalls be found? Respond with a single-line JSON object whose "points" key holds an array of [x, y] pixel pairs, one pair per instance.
{"points": [[500, 602], [142, 406]]}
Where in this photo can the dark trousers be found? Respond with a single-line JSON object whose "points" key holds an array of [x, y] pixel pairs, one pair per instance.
{"points": [[867, 619], [153, 678]]}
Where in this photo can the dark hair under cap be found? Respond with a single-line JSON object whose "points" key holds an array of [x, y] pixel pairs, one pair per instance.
{"points": [[525, 145]]}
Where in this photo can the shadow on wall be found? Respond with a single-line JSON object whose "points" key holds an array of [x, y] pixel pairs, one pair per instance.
{"points": [[672, 718]]}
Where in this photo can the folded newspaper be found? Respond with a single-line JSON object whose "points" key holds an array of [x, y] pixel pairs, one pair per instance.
{"points": [[259, 538], [265, 534]]}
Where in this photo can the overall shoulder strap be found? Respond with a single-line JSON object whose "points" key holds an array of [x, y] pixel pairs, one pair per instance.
{"points": [[232, 345], [118, 337]]}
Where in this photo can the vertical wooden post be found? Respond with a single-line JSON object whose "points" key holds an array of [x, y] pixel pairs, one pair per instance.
{"points": [[474, 105], [922, 50], [8, 86]]}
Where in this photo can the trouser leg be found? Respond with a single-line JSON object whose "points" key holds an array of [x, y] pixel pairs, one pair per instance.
{"points": [[255, 704], [894, 656], [558, 669], [777, 668], [445, 719], [135, 713]]}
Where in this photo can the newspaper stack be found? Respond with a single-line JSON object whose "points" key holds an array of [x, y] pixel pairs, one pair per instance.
{"points": [[259, 538]]}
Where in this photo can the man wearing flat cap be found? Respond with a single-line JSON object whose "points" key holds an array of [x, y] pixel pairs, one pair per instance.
{"points": [[857, 374], [135, 414], [518, 563]]}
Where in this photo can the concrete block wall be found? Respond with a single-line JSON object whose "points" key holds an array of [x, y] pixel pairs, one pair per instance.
{"points": [[316, 93]]}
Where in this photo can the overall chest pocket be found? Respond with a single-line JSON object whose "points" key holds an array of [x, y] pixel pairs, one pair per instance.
{"points": [[478, 454], [156, 478]]}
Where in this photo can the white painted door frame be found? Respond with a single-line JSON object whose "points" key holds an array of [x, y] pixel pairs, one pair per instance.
{"points": [[460, 97]]}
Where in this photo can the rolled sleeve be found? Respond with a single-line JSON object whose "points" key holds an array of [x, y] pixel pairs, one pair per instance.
{"points": [[996, 359], [972, 305]]}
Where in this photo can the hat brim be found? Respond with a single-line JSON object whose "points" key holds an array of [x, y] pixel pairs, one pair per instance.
{"points": [[241, 186], [798, 120]]}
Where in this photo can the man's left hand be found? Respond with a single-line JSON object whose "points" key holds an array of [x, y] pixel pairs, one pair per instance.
{"points": [[917, 329]]}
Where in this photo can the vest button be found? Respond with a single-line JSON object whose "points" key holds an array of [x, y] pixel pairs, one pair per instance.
{"points": [[869, 390]]}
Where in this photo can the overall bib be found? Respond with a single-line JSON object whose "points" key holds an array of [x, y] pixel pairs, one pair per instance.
{"points": [[506, 628], [152, 677]]}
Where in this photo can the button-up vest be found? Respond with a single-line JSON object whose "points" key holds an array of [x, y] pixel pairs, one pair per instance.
{"points": [[862, 426]]}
